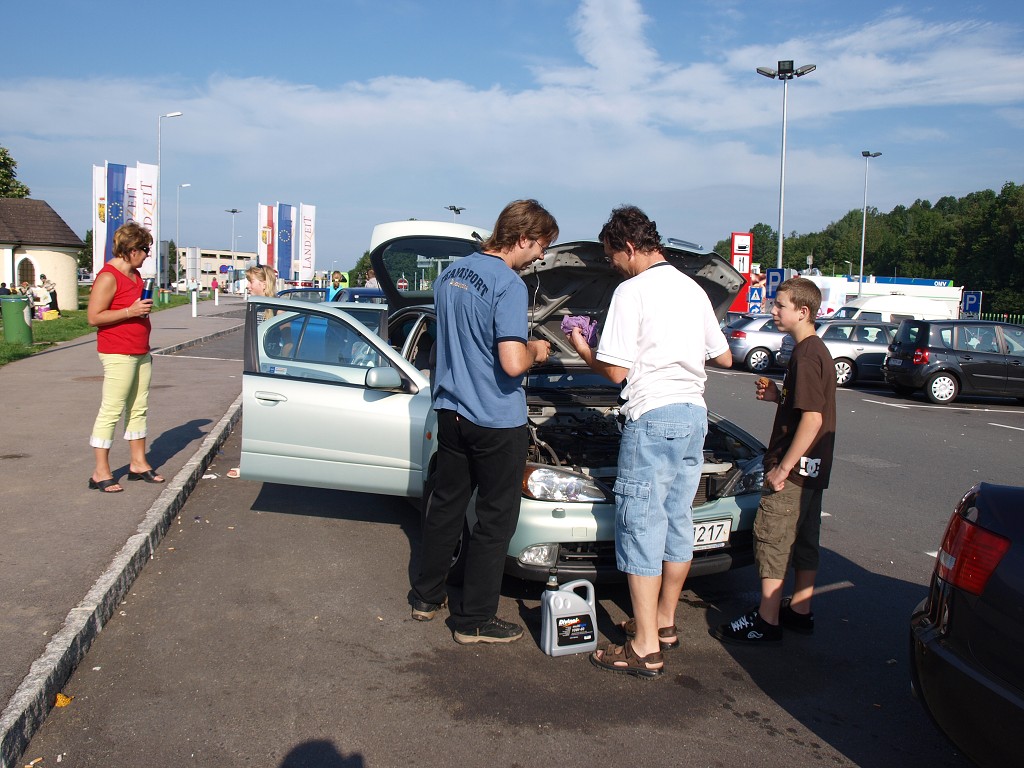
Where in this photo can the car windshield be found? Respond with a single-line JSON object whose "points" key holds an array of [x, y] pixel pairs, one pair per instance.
{"points": [[419, 260], [844, 313]]}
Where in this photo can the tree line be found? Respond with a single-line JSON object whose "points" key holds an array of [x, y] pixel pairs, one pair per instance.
{"points": [[977, 241]]}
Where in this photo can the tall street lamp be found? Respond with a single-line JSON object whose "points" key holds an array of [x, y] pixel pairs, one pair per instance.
{"points": [[177, 229], [785, 73], [456, 210], [232, 211], [864, 220], [159, 177]]}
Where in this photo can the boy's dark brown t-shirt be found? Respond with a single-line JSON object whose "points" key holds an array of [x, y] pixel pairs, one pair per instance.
{"points": [[809, 385]]}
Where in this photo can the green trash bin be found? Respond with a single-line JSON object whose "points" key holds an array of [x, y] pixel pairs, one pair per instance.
{"points": [[17, 315]]}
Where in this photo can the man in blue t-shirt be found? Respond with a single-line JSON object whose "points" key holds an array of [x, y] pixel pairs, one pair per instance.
{"points": [[482, 354]]}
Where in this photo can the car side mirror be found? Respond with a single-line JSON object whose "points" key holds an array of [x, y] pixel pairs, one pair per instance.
{"points": [[383, 377]]}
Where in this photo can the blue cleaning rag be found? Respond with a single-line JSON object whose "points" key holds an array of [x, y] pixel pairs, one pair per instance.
{"points": [[587, 327]]}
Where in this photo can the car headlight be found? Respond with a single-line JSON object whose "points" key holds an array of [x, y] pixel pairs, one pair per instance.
{"points": [[559, 484], [540, 554], [750, 479]]}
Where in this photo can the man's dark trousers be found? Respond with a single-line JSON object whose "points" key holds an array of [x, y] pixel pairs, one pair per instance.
{"points": [[492, 462]]}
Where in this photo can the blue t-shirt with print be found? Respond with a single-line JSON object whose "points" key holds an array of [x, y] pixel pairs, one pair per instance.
{"points": [[480, 302]]}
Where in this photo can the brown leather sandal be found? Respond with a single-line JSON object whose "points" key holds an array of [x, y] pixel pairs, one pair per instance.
{"points": [[622, 658], [629, 627]]}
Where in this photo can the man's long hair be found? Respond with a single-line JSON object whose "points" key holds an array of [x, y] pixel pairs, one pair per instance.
{"points": [[521, 218]]}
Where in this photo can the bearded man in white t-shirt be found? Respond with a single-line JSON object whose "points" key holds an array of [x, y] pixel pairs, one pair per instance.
{"points": [[660, 332]]}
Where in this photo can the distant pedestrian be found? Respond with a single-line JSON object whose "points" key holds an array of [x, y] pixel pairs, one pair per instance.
{"points": [[797, 466], [371, 280], [338, 284], [214, 285], [482, 353], [4, 290], [51, 288], [121, 318]]}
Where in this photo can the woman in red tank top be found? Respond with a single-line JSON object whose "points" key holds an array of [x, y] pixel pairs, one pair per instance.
{"points": [[121, 317]]}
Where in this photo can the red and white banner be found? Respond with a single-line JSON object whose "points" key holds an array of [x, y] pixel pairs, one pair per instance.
{"points": [[99, 216], [266, 235], [306, 229]]}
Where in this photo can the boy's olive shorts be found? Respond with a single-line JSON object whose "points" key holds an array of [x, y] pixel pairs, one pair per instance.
{"points": [[786, 530]]}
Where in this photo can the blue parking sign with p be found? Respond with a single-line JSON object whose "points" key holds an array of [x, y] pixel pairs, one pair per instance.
{"points": [[773, 279], [971, 304]]}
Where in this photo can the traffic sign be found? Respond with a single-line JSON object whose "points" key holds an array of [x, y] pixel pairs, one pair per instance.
{"points": [[755, 298], [971, 303], [773, 279], [402, 284]]}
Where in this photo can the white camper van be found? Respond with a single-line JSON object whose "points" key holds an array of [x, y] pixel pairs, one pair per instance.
{"points": [[893, 308]]}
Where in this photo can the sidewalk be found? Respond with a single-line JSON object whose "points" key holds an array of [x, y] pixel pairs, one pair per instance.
{"points": [[68, 554]]}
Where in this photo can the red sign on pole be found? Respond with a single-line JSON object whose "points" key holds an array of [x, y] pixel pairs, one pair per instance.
{"points": [[403, 284], [742, 251]]}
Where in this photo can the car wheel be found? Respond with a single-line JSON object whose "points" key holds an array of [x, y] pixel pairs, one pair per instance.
{"points": [[457, 568], [846, 372], [758, 359], [942, 388]]}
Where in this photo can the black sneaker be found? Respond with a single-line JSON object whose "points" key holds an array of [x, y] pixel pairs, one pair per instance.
{"points": [[750, 629], [422, 611], [494, 631], [796, 622]]}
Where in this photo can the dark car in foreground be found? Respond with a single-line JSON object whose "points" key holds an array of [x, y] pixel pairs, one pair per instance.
{"points": [[947, 358], [967, 635]]}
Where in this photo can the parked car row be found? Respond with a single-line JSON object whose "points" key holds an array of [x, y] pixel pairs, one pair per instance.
{"points": [[858, 348], [754, 341]]}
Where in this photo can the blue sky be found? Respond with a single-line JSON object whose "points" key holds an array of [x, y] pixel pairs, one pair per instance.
{"points": [[377, 110]]}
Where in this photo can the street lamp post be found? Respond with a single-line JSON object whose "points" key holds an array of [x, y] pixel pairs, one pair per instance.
{"points": [[785, 73], [159, 178], [456, 210], [177, 230], [864, 220], [232, 211]]}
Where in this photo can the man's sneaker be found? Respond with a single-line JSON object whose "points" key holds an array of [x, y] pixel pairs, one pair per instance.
{"points": [[750, 629], [796, 622], [422, 611], [494, 631]]}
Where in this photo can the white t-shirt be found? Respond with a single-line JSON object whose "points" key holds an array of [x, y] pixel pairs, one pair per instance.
{"points": [[661, 327]]}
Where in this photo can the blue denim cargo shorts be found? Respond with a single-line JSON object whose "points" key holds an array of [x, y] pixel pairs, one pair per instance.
{"points": [[660, 461]]}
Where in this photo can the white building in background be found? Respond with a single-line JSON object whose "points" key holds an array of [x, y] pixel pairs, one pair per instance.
{"points": [[204, 264]]}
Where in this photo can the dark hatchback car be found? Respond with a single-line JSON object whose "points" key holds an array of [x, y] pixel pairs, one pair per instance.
{"points": [[947, 358], [967, 636]]}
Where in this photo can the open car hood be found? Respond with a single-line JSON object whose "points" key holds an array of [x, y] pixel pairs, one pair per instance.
{"points": [[572, 279]]}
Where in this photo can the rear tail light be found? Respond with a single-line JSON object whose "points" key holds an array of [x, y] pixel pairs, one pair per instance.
{"points": [[969, 555], [738, 335], [921, 357]]}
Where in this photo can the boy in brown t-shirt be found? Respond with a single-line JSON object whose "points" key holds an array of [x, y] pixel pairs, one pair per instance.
{"points": [[797, 468]]}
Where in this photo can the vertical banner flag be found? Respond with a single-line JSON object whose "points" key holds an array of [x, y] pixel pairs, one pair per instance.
{"points": [[115, 206], [99, 216], [285, 235], [307, 241], [131, 189], [146, 176], [266, 238]]}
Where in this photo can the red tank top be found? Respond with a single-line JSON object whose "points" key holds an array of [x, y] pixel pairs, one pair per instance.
{"points": [[131, 335]]}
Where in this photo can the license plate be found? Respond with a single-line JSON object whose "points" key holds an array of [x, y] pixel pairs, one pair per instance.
{"points": [[895, 361], [711, 535]]}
